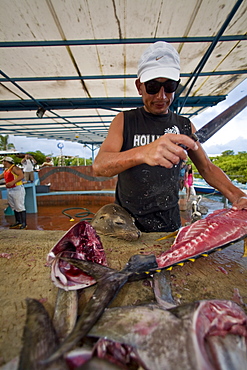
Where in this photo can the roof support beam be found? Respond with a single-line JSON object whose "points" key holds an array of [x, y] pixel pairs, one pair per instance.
{"points": [[112, 77], [99, 103], [69, 117], [147, 40]]}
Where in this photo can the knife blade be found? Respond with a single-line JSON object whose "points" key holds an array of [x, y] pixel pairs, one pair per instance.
{"points": [[208, 130]]}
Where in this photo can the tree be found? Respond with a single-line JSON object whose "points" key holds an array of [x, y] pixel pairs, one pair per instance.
{"points": [[234, 165], [38, 156], [4, 145], [228, 152]]}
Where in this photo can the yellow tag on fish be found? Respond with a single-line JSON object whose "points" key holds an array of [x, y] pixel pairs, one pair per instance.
{"points": [[245, 248], [168, 236]]}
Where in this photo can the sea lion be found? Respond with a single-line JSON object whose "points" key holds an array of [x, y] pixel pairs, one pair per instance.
{"points": [[114, 220]]}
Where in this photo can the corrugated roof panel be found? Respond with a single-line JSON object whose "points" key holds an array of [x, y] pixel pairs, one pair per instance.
{"points": [[33, 20]]}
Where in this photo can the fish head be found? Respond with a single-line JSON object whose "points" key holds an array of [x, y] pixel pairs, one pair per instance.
{"points": [[82, 242]]}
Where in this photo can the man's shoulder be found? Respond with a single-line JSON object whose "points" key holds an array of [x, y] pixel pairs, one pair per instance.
{"points": [[133, 111], [181, 121], [179, 117]]}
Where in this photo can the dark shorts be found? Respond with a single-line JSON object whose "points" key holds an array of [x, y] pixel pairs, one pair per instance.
{"points": [[166, 221]]}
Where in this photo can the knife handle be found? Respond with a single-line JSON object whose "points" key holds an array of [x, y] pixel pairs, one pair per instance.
{"points": [[192, 136]]}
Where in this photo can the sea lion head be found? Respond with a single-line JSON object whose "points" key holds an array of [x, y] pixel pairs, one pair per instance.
{"points": [[113, 220]]}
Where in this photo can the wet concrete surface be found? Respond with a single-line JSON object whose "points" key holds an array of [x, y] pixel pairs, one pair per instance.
{"points": [[51, 218], [63, 217]]}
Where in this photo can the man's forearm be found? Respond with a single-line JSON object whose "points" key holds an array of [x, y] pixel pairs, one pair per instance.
{"points": [[220, 181], [111, 164]]}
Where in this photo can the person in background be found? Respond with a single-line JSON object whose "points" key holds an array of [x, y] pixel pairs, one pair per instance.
{"points": [[189, 179], [28, 163], [145, 147], [48, 163], [182, 175], [13, 176]]}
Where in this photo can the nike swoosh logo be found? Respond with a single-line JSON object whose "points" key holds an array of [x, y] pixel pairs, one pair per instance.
{"points": [[158, 58]]}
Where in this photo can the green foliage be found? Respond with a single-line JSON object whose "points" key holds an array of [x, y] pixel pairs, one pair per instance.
{"points": [[89, 162], [72, 161], [41, 157], [4, 144], [55, 161], [227, 152], [38, 156], [234, 165]]}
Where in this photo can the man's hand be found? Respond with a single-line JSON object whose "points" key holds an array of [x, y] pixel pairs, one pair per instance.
{"points": [[167, 150], [240, 203]]}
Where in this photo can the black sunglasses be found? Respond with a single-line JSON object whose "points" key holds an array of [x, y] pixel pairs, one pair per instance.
{"points": [[154, 86]]}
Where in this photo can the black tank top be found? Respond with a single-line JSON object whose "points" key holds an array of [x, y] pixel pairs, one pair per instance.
{"points": [[144, 189]]}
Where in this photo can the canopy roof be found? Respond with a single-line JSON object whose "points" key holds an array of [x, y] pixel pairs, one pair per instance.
{"points": [[77, 60]]}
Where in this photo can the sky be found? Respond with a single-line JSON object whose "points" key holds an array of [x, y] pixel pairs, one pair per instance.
{"points": [[233, 136]]}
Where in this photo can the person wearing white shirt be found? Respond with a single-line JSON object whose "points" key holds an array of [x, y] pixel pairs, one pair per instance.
{"points": [[28, 163]]}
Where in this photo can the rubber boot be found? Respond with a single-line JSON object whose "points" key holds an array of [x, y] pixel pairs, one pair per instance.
{"points": [[23, 220], [18, 221]]}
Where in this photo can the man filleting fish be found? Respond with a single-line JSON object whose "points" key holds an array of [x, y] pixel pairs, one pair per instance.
{"points": [[145, 148]]}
